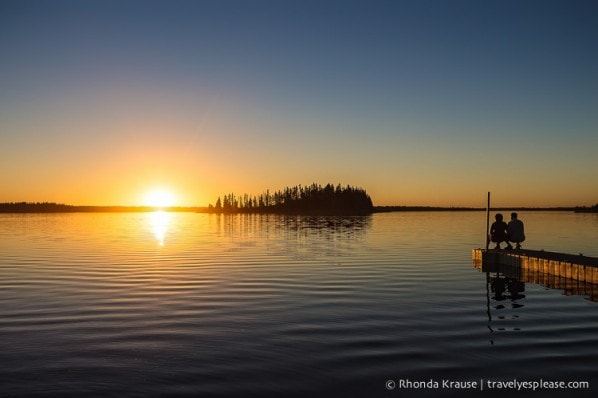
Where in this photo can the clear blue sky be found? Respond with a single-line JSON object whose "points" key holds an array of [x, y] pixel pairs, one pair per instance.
{"points": [[419, 102]]}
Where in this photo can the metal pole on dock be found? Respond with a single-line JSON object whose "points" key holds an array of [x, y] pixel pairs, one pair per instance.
{"points": [[488, 222]]}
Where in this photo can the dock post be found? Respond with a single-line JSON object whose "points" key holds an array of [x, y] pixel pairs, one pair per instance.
{"points": [[488, 222]]}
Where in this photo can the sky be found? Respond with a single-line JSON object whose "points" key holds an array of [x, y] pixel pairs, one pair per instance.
{"points": [[419, 102]]}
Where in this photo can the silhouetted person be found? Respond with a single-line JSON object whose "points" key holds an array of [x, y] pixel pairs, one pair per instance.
{"points": [[515, 231], [498, 231]]}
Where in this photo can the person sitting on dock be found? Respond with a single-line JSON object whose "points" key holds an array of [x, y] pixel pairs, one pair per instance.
{"points": [[498, 231], [515, 232]]}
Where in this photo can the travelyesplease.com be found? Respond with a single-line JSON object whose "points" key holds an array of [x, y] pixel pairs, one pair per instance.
{"points": [[484, 384]]}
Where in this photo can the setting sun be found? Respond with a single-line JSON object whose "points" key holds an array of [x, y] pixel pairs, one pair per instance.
{"points": [[159, 198]]}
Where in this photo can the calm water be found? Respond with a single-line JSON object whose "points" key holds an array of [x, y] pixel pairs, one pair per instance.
{"points": [[203, 305]]}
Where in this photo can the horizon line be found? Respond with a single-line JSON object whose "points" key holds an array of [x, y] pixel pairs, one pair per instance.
{"points": [[63, 207]]}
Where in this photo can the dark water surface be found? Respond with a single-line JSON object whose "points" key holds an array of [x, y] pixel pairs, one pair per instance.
{"points": [[186, 304]]}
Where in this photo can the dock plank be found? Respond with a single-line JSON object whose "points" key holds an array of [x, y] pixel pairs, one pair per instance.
{"points": [[570, 266]]}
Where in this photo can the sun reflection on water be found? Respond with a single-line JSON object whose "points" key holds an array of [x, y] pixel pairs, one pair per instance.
{"points": [[159, 221]]}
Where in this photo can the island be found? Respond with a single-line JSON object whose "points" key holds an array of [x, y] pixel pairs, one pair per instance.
{"points": [[314, 199]]}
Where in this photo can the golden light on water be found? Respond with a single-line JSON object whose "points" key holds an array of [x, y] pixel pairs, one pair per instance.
{"points": [[159, 221]]}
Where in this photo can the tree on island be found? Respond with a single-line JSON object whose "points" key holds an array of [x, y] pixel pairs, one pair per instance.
{"points": [[312, 199]]}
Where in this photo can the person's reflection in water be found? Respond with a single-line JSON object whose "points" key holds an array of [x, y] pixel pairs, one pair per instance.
{"points": [[507, 289], [503, 288]]}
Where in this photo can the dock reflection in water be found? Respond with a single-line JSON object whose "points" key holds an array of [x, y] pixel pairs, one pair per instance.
{"points": [[570, 287], [505, 293]]}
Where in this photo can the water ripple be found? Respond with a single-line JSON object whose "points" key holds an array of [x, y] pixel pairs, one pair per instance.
{"points": [[95, 304]]}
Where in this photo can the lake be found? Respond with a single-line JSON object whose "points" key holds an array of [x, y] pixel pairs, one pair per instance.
{"points": [[189, 304]]}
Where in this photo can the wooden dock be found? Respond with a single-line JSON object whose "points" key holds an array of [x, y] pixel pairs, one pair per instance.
{"points": [[573, 267]]}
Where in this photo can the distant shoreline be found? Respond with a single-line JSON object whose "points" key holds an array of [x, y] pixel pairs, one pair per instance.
{"points": [[63, 208], [384, 209]]}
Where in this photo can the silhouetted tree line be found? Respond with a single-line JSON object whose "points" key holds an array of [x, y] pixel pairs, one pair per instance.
{"points": [[34, 207], [584, 209], [312, 199]]}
